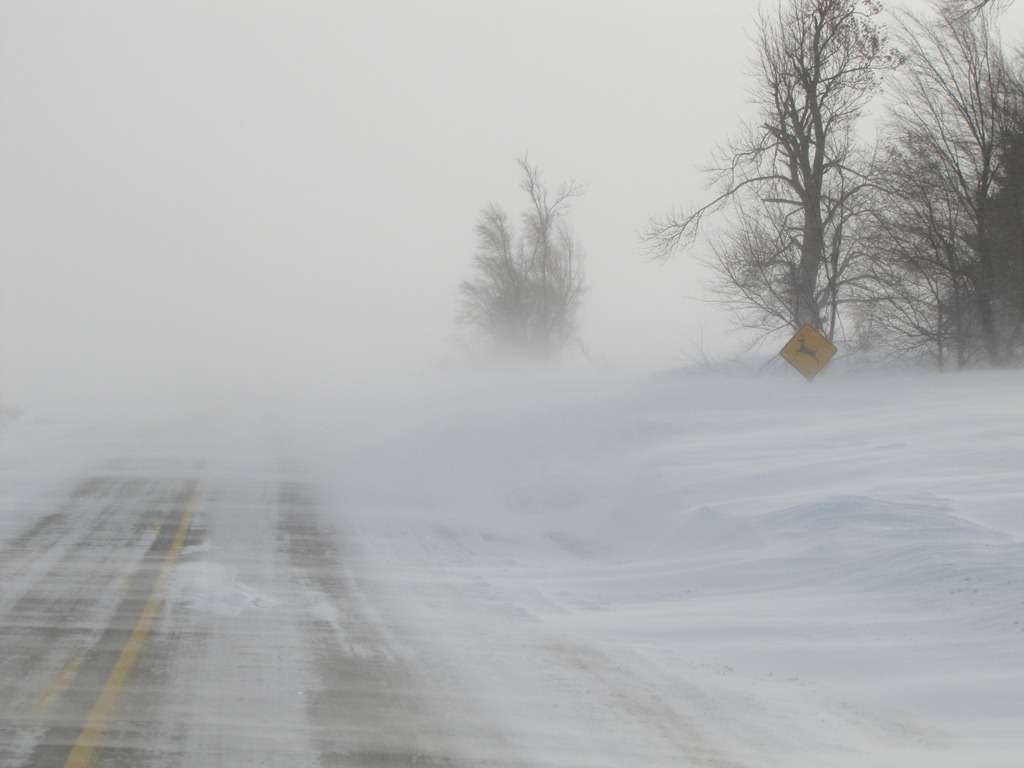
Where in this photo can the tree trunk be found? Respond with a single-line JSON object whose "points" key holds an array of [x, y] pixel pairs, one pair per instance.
{"points": [[985, 293], [807, 310]]}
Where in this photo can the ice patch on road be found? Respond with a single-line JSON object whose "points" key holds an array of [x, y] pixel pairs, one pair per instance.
{"points": [[214, 588]]}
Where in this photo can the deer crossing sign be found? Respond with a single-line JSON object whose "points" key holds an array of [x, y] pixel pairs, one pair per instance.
{"points": [[808, 351]]}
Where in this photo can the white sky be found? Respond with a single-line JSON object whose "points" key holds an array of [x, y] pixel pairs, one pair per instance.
{"points": [[245, 187]]}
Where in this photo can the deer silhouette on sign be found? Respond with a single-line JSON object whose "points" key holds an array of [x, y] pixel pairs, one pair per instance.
{"points": [[804, 349]]}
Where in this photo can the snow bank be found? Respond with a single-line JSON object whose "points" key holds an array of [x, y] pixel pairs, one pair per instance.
{"points": [[707, 569]]}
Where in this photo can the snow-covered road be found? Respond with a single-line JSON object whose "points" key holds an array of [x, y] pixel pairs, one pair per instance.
{"points": [[208, 619], [686, 570]]}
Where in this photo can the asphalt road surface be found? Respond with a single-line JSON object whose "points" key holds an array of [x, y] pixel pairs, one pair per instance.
{"points": [[123, 644]]}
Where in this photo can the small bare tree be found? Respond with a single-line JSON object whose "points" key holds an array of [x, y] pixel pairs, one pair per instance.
{"points": [[793, 176], [526, 291]]}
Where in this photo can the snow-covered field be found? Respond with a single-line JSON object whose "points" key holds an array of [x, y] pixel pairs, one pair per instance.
{"points": [[686, 569], [709, 570]]}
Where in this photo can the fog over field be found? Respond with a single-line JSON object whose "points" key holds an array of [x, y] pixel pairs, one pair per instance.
{"points": [[290, 189]]}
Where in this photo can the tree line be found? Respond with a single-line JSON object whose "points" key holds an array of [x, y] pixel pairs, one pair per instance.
{"points": [[911, 244]]}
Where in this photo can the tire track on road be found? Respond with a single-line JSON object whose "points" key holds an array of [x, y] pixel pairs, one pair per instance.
{"points": [[371, 709]]}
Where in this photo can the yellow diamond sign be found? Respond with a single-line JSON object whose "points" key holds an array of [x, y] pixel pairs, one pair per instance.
{"points": [[808, 351]]}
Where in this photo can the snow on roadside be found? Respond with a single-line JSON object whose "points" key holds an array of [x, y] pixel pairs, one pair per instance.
{"points": [[710, 570]]}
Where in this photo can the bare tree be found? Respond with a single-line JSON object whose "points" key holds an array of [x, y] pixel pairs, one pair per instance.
{"points": [[918, 297], [950, 107], [1007, 221], [495, 302], [555, 263], [526, 291], [797, 169]]}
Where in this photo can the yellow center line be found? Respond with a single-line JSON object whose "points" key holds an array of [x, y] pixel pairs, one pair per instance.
{"points": [[91, 736], [59, 685], [66, 676]]}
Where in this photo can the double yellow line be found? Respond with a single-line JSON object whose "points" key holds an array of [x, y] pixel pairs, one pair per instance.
{"points": [[91, 737]]}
